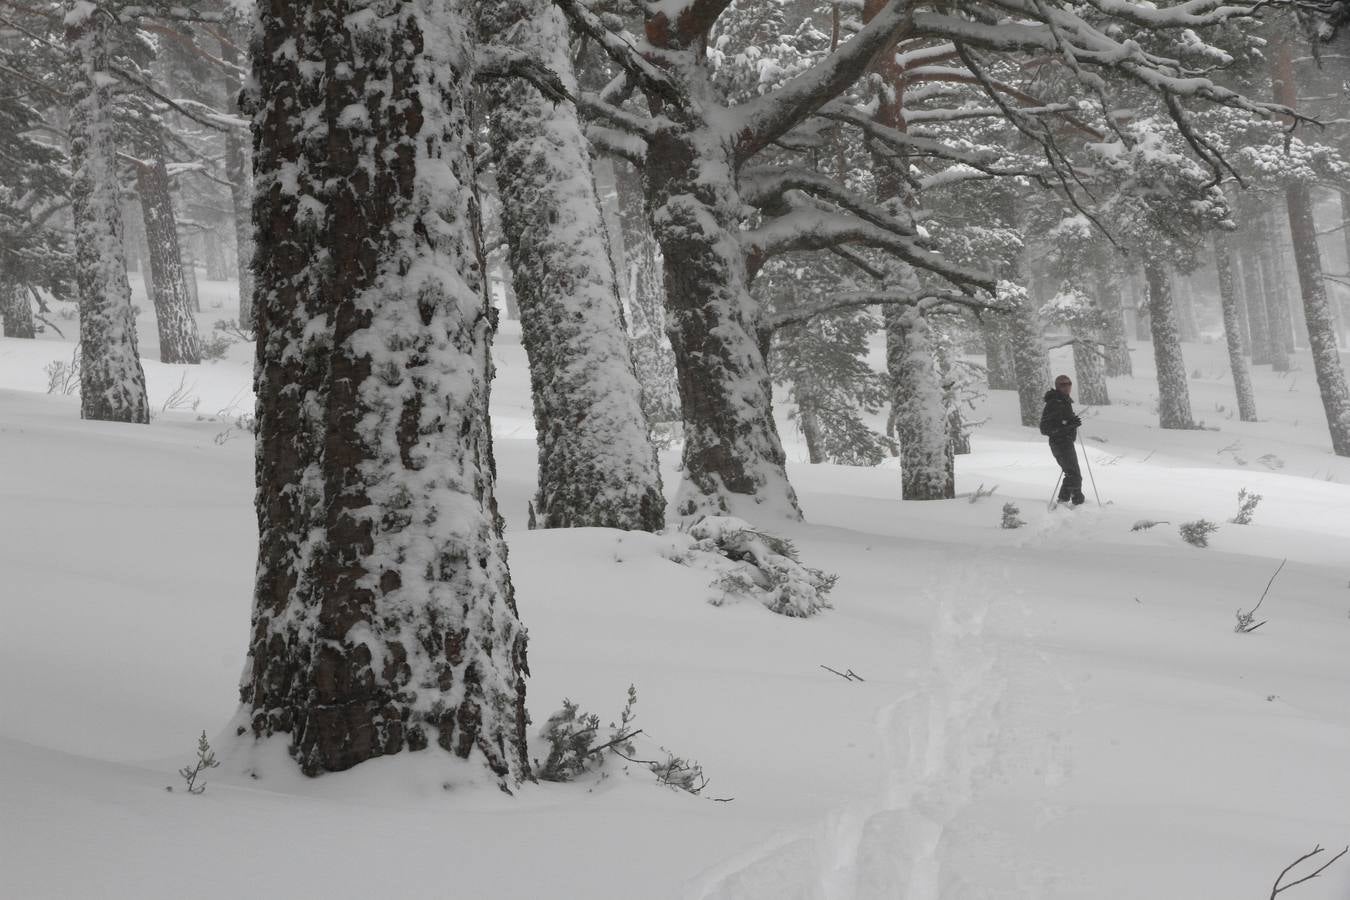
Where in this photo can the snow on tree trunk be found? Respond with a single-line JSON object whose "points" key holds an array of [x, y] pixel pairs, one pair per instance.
{"points": [[998, 356], [927, 470], [241, 191], [384, 617], [652, 356], [733, 458], [597, 467], [809, 420], [1090, 367], [1174, 398], [1029, 358], [178, 340], [16, 311], [944, 352], [1242, 379], [112, 383], [1117, 362], [1254, 294], [1277, 300]]}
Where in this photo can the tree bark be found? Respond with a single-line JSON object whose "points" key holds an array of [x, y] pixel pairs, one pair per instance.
{"points": [[178, 340], [597, 467], [1242, 379], [652, 356], [809, 419], [384, 618], [16, 311], [241, 189], [1174, 398], [112, 382], [1030, 361], [1090, 367], [926, 464]]}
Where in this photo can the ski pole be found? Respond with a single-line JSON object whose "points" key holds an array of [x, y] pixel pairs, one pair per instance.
{"points": [[1089, 468], [1055, 492]]}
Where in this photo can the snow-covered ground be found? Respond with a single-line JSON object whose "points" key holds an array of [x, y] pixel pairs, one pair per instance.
{"points": [[1058, 711]]}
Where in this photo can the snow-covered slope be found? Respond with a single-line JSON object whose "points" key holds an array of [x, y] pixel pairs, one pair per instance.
{"points": [[1057, 711]]}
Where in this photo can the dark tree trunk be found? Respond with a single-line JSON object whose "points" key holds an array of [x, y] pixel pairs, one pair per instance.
{"points": [[641, 279], [178, 340], [384, 618], [596, 465], [809, 419], [733, 457], [241, 188], [16, 310], [112, 383], [1184, 299], [1242, 379], [1174, 397], [1030, 361], [213, 253]]}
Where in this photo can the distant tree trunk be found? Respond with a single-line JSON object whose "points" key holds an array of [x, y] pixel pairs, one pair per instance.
{"points": [[652, 356], [112, 383], [1254, 293], [1188, 326], [384, 618], [926, 464], [1240, 299], [1174, 397], [178, 340], [17, 312], [998, 356], [1242, 379], [1277, 300], [809, 419], [213, 253], [597, 467], [944, 351], [1090, 367], [241, 188], [1117, 349]]}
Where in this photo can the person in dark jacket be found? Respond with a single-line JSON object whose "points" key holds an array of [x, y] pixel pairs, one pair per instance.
{"points": [[1060, 425]]}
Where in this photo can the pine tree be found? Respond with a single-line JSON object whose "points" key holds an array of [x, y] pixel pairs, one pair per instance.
{"points": [[596, 465], [384, 618]]}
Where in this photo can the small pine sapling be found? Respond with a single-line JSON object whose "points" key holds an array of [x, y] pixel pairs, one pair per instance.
{"points": [[206, 759], [754, 564], [1197, 533], [1146, 524], [1247, 501], [1010, 519], [571, 737]]}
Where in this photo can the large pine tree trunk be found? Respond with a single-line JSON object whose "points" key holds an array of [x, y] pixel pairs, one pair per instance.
{"points": [[1242, 379], [1174, 396], [641, 278], [16, 311], [241, 189], [920, 410], [733, 457], [384, 618], [112, 382], [178, 340], [596, 465]]}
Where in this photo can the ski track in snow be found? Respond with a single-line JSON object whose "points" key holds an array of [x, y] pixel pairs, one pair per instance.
{"points": [[960, 739]]}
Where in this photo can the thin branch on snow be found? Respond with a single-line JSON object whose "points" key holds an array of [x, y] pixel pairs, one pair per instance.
{"points": [[1279, 888]]}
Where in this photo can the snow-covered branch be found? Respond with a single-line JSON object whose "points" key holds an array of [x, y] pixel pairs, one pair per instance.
{"points": [[596, 108], [764, 187], [856, 299], [764, 120], [507, 62], [621, 50]]}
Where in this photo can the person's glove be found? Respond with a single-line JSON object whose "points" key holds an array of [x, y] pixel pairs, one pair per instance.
{"points": [[1076, 422]]}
